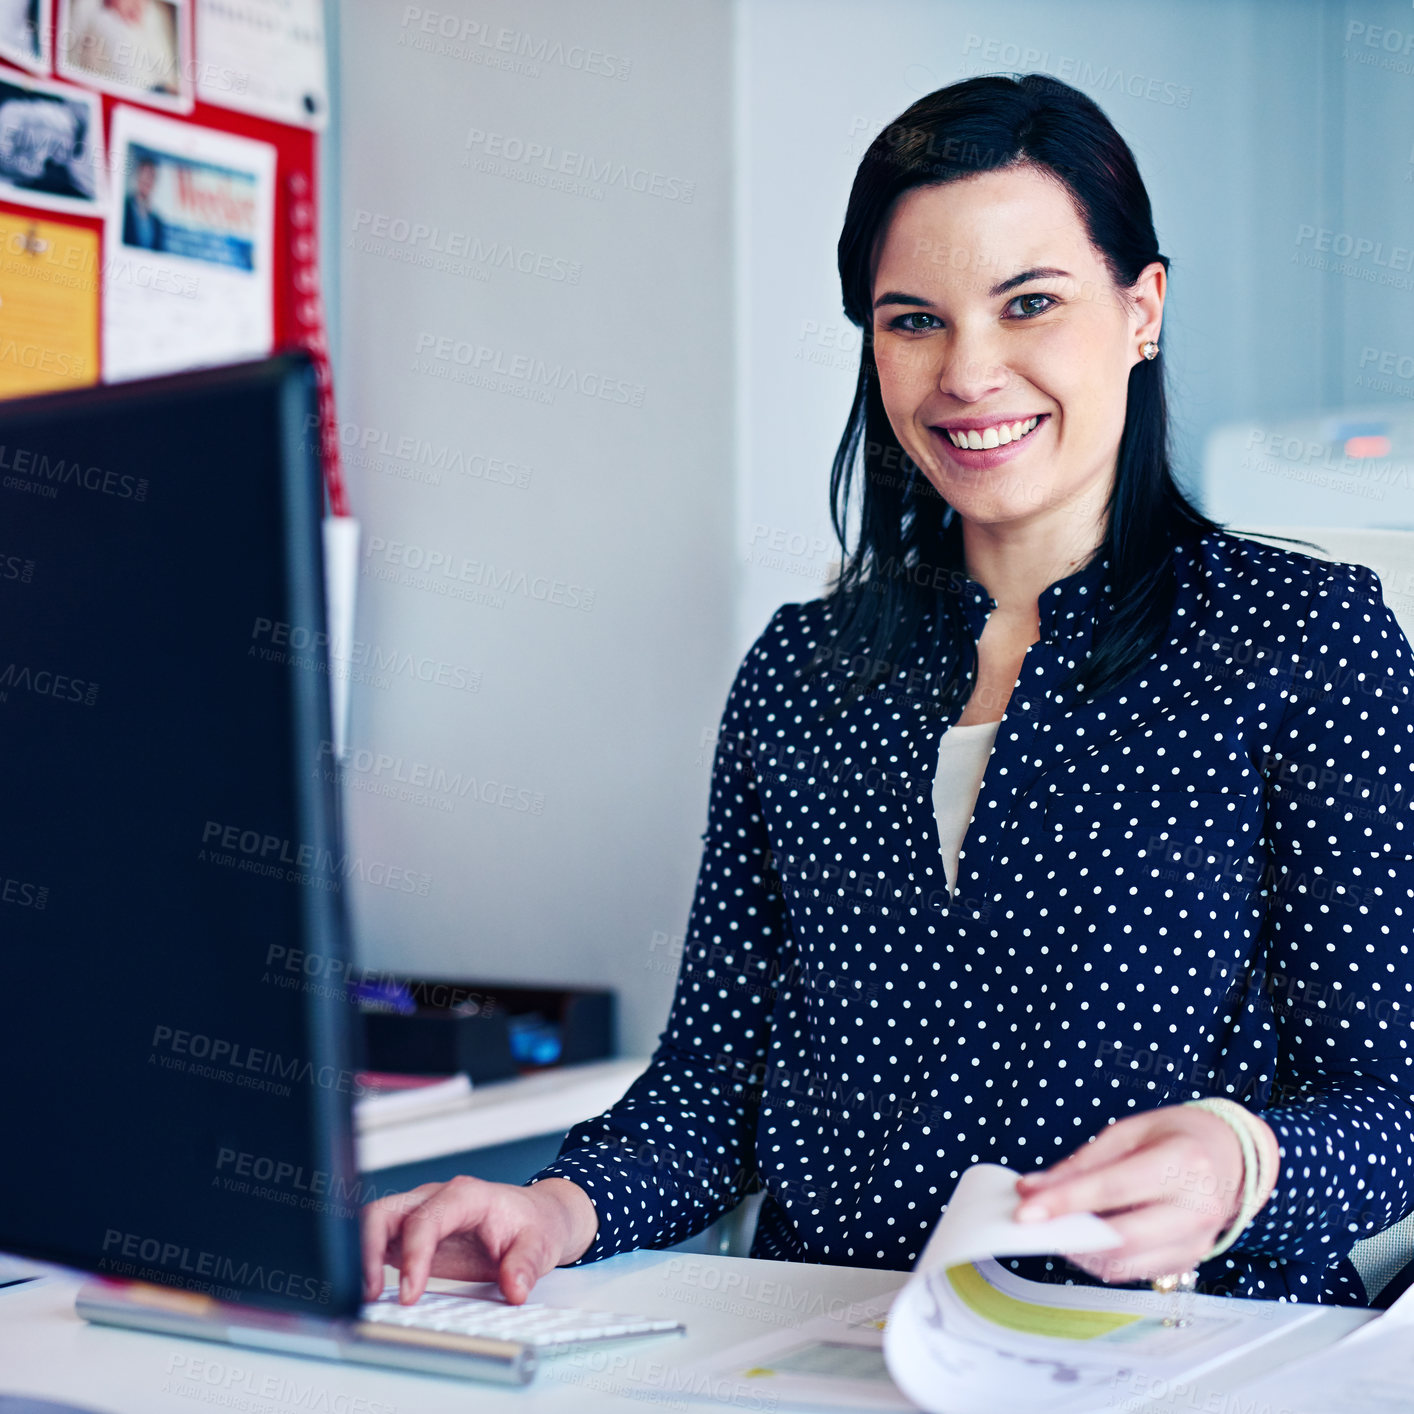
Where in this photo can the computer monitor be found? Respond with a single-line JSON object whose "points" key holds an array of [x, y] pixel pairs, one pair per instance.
{"points": [[174, 1109]]}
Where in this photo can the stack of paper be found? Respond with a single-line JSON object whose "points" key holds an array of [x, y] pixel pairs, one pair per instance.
{"points": [[393, 1103], [967, 1336]]}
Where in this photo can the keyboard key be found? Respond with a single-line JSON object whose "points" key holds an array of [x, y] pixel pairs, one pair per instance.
{"points": [[548, 1329]]}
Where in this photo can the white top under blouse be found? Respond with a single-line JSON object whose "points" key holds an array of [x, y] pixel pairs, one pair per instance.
{"points": [[962, 762]]}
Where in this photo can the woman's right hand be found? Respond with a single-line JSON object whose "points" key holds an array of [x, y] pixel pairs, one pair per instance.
{"points": [[472, 1230]]}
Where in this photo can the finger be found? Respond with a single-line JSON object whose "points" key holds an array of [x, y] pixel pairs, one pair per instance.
{"points": [[380, 1222], [457, 1205], [1154, 1238], [1144, 1266], [1112, 1142], [1127, 1182], [523, 1263], [375, 1243]]}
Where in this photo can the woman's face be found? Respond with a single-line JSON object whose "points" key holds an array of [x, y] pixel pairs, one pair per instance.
{"points": [[992, 309]]}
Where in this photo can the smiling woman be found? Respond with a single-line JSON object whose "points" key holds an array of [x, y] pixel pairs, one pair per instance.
{"points": [[999, 252], [1143, 937], [968, 373]]}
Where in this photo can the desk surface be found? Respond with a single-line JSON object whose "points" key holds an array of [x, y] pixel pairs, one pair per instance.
{"points": [[46, 1350]]}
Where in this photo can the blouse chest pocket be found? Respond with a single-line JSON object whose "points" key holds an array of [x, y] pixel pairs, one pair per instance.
{"points": [[1190, 835], [1177, 812]]}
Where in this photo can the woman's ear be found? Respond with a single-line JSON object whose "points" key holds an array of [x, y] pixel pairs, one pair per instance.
{"points": [[1146, 303]]}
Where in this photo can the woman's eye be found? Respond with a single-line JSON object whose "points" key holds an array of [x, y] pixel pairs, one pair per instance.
{"points": [[901, 323], [1027, 308]]}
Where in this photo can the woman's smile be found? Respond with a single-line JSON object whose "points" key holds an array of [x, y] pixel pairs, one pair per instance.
{"points": [[979, 443]]}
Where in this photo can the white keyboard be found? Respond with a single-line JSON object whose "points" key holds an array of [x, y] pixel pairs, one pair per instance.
{"points": [[547, 1329]]}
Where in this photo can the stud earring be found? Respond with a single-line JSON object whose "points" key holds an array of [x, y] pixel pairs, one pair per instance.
{"points": [[1149, 349]]}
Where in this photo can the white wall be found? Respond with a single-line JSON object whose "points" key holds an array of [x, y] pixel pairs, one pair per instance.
{"points": [[593, 716]]}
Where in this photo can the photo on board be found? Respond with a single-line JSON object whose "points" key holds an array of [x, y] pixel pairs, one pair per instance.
{"points": [[51, 145], [138, 49], [26, 33]]}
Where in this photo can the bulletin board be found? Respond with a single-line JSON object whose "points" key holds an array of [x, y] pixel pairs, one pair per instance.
{"points": [[99, 281]]}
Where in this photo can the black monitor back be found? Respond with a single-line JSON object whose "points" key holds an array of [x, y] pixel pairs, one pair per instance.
{"points": [[176, 1104]]}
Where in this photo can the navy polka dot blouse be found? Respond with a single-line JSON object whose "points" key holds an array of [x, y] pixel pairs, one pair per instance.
{"points": [[1200, 883]]}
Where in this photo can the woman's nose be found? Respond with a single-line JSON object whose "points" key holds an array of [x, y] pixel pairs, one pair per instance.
{"points": [[970, 369]]}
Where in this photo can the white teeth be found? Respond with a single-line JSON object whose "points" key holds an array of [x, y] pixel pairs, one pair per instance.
{"points": [[995, 436]]}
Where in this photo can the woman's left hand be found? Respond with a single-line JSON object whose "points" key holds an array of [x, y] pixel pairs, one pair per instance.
{"points": [[1169, 1181]]}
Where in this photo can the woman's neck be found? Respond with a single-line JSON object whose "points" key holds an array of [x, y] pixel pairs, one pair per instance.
{"points": [[1016, 564]]}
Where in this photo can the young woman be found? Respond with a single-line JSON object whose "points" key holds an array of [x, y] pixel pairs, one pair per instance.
{"points": [[1068, 832]]}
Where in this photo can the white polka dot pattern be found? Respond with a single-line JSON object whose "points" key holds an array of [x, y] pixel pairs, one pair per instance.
{"points": [[1200, 883]]}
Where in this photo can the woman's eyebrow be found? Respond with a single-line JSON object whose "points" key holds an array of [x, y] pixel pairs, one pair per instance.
{"points": [[896, 297], [1041, 272]]}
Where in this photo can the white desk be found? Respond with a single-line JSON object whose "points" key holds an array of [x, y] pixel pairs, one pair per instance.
{"points": [[45, 1350]]}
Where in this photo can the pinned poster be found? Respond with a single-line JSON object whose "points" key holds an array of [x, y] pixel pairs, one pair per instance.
{"points": [[188, 247], [48, 305], [264, 57]]}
